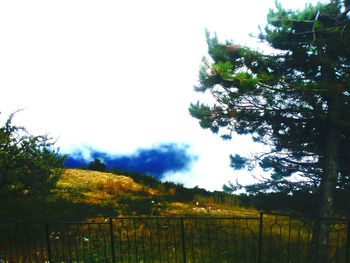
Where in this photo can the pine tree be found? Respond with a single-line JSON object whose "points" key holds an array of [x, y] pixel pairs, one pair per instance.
{"points": [[295, 100]]}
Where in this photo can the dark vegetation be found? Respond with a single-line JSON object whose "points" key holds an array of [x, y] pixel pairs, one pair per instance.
{"points": [[97, 165], [29, 166]]}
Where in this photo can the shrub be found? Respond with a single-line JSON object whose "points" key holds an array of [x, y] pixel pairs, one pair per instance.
{"points": [[28, 164]]}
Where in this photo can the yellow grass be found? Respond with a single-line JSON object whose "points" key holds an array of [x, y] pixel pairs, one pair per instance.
{"points": [[94, 187], [98, 188], [94, 180]]}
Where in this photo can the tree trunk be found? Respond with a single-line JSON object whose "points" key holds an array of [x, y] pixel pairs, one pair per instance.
{"points": [[320, 240]]}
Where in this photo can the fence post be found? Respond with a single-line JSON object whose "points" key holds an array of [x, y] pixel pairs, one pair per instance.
{"points": [[111, 233], [348, 243], [183, 240], [49, 257], [260, 237]]}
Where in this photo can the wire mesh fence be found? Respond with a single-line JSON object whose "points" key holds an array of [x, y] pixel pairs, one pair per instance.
{"points": [[265, 238]]}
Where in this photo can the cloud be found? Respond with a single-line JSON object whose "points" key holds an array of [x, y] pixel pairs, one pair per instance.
{"points": [[156, 161]]}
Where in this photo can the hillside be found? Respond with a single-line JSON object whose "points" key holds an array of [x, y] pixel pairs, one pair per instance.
{"points": [[83, 195], [93, 186], [128, 197]]}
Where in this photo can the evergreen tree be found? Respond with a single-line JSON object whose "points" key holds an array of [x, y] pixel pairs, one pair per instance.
{"points": [[295, 100], [28, 164], [97, 165]]}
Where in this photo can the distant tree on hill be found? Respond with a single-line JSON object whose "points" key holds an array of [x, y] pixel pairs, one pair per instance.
{"points": [[97, 165], [28, 164]]}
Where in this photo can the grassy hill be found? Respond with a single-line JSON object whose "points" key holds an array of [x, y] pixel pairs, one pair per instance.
{"points": [[145, 197], [83, 194]]}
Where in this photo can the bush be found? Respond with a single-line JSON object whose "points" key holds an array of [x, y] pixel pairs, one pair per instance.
{"points": [[28, 164]]}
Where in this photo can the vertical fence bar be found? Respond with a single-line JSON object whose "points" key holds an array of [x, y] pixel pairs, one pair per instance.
{"points": [[208, 236], [135, 240], [49, 256], [289, 237], [348, 243], [111, 232], [260, 237], [158, 239], [183, 240]]}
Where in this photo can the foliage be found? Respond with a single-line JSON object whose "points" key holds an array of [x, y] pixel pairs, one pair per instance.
{"points": [[97, 165], [296, 100], [28, 164]]}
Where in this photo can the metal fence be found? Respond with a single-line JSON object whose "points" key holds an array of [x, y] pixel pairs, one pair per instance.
{"points": [[266, 238]]}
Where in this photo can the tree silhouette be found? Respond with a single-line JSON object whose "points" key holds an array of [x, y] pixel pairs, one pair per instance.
{"points": [[97, 165]]}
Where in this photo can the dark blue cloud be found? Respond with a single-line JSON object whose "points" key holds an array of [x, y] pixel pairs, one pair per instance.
{"points": [[154, 161]]}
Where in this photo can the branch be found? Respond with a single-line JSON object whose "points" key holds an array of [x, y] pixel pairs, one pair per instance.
{"points": [[313, 26], [345, 13], [318, 31], [292, 20], [294, 89]]}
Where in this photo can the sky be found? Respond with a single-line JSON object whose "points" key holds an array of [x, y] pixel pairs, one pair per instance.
{"points": [[117, 77]]}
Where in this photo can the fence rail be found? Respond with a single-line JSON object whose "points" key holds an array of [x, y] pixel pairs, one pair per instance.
{"points": [[266, 238]]}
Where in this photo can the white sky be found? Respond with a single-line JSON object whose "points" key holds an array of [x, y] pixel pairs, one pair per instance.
{"points": [[119, 75]]}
